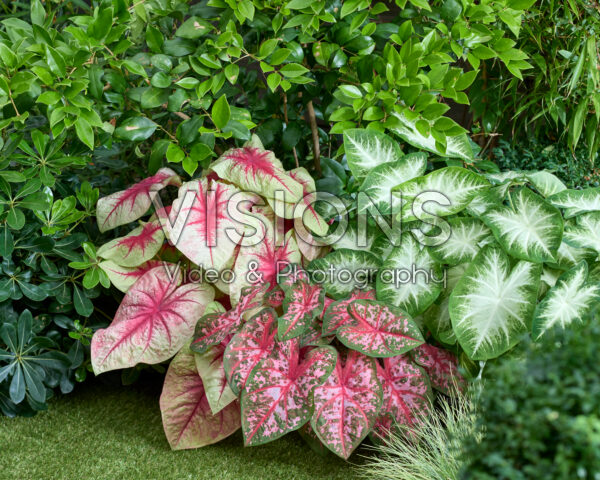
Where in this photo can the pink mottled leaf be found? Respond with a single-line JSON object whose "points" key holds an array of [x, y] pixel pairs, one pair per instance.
{"points": [[139, 246], [326, 303], [203, 218], [442, 367], [250, 345], [275, 297], [210, 368], [406, 395], [302, 304], [347, 404], [275, 400], [187, 418], [254, 169], [124, 277], [213, 328], [155, 319], [129, 205], [290, 275], [379, 330], [337, 314]]}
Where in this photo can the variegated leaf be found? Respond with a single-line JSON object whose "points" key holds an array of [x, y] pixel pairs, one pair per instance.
{"points": [[546, 183], [354, 238], [343, 270], [585, 233], [567, 302], [442, 368], [275, 400], [137, 247], [187, 418], [378, 330], [153, 322], [407, 395], [302, 303], [382, 179], [409, 278], [337, 314], [492, 305], [467, 235], [254, 341], [124, 277], [576, 202], [366, 149], [210, 368], [529, 229], [128, 205], [347, 404]]}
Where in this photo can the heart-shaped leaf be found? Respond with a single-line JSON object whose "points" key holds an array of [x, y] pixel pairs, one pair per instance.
{"points": [[378, 330], [367, 149], [442, 368], [187, 418], [139, 246], [302, 303], [124, 277], [576, 202], [336, 314], [153, 322]]}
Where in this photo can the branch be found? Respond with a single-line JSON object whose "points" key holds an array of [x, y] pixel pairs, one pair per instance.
{"points": [[312, 120]]}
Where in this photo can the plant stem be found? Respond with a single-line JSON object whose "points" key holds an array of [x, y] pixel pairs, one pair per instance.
{"points": [[312, 119]]}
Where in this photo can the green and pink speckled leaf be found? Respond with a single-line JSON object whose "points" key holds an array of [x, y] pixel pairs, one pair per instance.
{"points": [[210, 368], [442, 368], [406, 395], [250, 345], [128, 205], [155, 319], [379, 330], [275, 297], [275, 400], [336, 314], [302, 303], [347, 404], [186, 414], [139, 246], [213, 328], [290, 275]]}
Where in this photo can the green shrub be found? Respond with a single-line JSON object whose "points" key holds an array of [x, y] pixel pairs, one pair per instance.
{"points": [[539, 412]]}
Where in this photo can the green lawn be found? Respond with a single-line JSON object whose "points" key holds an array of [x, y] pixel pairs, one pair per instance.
{"points": [[115, 433]]}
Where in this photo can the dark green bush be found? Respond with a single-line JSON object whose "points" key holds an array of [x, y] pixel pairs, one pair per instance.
{"points": [[539, 412]]}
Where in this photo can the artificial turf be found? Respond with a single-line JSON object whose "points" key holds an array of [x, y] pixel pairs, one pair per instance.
{"points": [[113, 432]]}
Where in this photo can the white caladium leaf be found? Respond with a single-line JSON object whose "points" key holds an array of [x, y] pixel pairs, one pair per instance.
{"points": [[407, 395], [378, 330], [187, 418], [492, 306], [210, 368], [366, 149], [124, 277], [443, 192], [467, 235], [382, 179], [545, 182], [254, 169], [410, 278], [137, 247], [155, 319], [529, 229], [575, 202], [342, 271], [567, 302], [585, 233], [128, 205], [202, 218], [487, 200], [310, 247], [457, 146], [354, 238]]}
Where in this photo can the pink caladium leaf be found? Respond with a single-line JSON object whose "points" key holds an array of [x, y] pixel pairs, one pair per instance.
{"points": [[213, 328], [302, 303], [139, 246], [275, 297], [379, 330], [313, 335], [337, 314], [124, 277], [187, 418], [155, 319], [203, 222], [275, 400], [128, 205], [210, 368], [406, 395], [310, 437], [327, 301], [254, 169], [442, 367], [290, 275], [347, 404], [250, 345]]}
